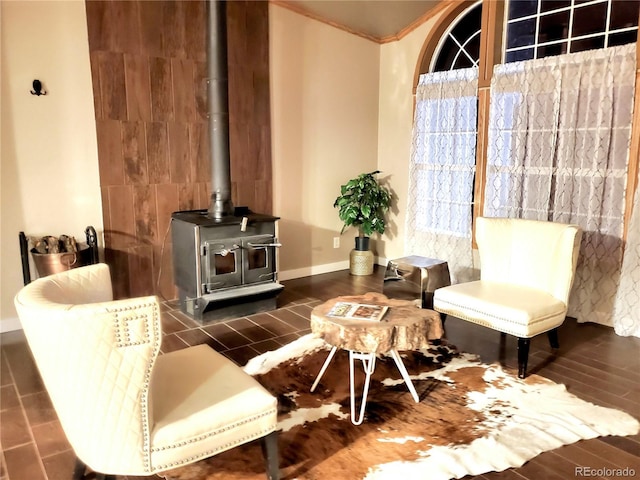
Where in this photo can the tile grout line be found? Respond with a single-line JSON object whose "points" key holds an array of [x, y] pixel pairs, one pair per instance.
{"points": [[297, 332], [275, 318], [29, 429]]}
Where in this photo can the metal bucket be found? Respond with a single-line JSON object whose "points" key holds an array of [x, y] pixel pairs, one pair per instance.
{"points": [[48, 263]]}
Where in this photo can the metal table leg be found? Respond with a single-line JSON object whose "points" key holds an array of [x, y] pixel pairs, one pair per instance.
{"points": [[369, 364], [324, 368], [405, 374]]}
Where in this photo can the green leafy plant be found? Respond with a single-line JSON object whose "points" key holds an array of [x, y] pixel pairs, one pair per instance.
{"points": [[363, 203]]}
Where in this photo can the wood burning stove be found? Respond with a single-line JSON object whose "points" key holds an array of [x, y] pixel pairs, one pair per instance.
{"points": [[224, 258], [224, 267]]}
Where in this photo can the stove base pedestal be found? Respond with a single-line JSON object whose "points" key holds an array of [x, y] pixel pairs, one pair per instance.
{"points": [[227, 305]]}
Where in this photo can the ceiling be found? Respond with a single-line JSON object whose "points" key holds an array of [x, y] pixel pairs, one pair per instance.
{"points": [[377, 19]]}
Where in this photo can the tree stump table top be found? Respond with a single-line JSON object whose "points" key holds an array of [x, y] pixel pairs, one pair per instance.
{"points": [[405, 326]]}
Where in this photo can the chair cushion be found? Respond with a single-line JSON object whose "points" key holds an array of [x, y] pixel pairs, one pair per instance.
{"points": [[513, 309], [203, 404]]}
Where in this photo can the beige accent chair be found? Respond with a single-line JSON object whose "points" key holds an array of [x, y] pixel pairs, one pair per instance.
{"points": [[125, 409], [526, 272]]}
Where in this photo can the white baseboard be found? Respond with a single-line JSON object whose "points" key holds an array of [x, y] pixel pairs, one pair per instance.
{"points": [[313, 270], [319, 269], [10, 324]]}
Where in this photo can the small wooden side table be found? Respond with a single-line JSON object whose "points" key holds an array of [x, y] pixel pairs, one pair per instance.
{"points": [[405, 326]]}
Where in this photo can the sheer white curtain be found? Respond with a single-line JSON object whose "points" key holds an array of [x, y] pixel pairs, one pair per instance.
{"points": [[558, 150], [442, 170], [626, 311]]}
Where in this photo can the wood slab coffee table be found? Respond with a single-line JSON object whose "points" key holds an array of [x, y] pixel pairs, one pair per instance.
{"points": [[405, 326]]}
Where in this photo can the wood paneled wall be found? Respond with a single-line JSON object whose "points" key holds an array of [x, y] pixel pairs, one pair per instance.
{"points": [[148, 64]]}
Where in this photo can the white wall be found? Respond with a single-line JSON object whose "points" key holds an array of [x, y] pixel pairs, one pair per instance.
{"points": [[49, 170], [341, 105], [324, 111]]}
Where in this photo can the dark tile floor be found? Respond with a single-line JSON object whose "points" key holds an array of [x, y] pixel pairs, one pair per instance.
{"points": [[240, 339], [593, 362]]}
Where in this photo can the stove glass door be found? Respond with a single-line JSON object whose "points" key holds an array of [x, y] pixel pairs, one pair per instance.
{"points": [[222, 264], [259, 258]]}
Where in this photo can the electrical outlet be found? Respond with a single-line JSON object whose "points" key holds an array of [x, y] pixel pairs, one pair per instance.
{"points": [[336, 242]]}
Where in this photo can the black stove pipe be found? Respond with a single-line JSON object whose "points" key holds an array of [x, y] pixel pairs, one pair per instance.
{"points": [[218, 95]]}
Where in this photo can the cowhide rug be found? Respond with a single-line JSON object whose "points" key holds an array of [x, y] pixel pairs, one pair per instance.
{"points": [[472, 418]]}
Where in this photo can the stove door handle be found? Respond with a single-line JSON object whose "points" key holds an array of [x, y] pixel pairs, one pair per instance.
{"points": [[226, 251], [264, 245]]}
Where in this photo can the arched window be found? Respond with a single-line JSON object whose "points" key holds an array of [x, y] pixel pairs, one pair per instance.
{"points": [[442, 169], [537, 29], [459, 47]]}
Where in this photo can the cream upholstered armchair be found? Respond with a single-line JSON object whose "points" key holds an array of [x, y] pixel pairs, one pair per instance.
{"points": [[125, 409], [526, 272]]}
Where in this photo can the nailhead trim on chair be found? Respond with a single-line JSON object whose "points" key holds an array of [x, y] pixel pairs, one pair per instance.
{"points": [[215, 432], [458, 314], [210, 453], [124, 340], [154, 322], [123, 324]]}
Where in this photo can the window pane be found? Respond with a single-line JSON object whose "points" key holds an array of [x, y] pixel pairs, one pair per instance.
{"points": [[473, 47], [553, 27], [591, 43], [521, 33], [468, 24], [589, 19], [622, 38], [551, 50], [466, 31], [624, 14], [462, 62], [518, 55], [549, 5], [522, 8], [446, 55]]}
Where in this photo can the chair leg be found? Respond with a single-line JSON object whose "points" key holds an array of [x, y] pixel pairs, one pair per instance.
{"points": [[523, 356], [78, 470], [553, 338], [502, 350], [270, 452]]}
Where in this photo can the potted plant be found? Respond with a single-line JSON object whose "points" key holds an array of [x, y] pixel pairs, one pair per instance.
{"points": [[363, 203]]}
